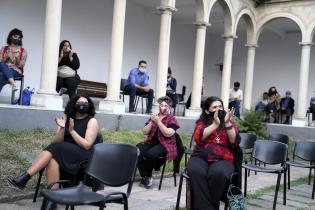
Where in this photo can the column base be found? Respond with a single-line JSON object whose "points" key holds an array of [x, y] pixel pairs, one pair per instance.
{"points": [[193, 113], [53, 102], [299, 122], [112, 107]]}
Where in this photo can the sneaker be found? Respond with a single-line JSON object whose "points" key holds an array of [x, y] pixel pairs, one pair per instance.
{"points": [[62, 91], [149, 182]]}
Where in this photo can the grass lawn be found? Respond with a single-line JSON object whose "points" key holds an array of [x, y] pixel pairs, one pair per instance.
{"points": [[19, 148]]}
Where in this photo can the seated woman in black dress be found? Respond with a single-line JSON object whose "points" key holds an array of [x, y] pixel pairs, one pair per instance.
{"points": [[211, 163], [75, 136]]}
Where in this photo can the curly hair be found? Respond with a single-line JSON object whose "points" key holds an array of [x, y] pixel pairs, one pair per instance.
{"points": [[205, 117], [70, 108], [165, 99], [15, 31]]}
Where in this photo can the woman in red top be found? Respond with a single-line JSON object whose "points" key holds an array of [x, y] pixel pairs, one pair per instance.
{"points": [[161, 140], [211, 163]]}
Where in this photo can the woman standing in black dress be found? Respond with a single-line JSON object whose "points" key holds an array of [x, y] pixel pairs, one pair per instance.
{"points": [[75, 136]]}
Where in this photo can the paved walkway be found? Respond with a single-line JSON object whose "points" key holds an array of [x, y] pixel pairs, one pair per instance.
{"points": [[298, 197]]}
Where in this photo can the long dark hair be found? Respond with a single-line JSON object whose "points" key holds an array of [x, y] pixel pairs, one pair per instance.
{"points": [[70, 108], [205, 117], [62, 43], [15, 31], [270, 93]]}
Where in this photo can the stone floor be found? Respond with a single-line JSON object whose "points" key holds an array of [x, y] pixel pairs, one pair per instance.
{"points": [[299, 197]]}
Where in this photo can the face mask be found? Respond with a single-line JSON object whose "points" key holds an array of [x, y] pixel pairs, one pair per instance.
{"points": [[163, 110], [82, 108], [15, 41], [142, 70], [221, 115]]}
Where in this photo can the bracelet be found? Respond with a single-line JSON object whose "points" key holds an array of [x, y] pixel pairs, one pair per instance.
{"points": [[229, 128]]}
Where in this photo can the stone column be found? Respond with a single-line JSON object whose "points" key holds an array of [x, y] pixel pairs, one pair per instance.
{"points": [[112, 103], [164, 47], [304, 77], [249, 76], [46, 96], [226, 73], [194, 109]]}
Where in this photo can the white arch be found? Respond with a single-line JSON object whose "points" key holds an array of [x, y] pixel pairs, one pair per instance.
{"points": [[311, 31], [200, 12], [227, 12], [250, 24], [297, 20]]}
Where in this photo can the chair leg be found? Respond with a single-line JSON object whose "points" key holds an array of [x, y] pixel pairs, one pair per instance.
{"points": [[43, 204], [245, 183], [136, 103], [72, 207], [285, 188], [276, 192], [21, 90], [174, 175], [310, 175], [162, 175], [226, 205], [313, 188], [40, 174], [180, 185], [289, 186]]}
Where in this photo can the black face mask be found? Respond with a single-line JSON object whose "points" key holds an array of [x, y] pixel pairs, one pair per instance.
{"points": [[15, 41], [82, 108], [221, 115]]}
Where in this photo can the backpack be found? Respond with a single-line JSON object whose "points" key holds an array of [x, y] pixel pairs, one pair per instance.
{"points": [[26, 96]]}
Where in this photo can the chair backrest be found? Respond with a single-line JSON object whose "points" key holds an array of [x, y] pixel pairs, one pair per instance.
{"points": [[247, 140], [279, 137], [270, 152], [113, 164], [180, 152], [123, 83], [305, 150]]}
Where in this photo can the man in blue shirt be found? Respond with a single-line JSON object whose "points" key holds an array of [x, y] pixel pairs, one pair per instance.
{"points": [[138, 84]]}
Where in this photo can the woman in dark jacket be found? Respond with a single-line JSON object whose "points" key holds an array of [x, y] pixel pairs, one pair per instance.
{"points": [[67, 69], [211, 164]]}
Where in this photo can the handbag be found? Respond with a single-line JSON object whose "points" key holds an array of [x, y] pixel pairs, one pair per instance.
{"points": [[65, 72], [235, 198]]}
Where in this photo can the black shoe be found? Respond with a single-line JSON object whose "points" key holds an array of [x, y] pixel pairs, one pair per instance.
{"points": [[142, 181], [148, 112], [50, 206], [20, 181]]}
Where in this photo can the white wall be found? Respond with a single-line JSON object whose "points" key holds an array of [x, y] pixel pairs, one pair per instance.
{"points": [[87, 24]]}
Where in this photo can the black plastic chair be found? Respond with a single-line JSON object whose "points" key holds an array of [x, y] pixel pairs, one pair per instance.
{"points": [[272, 153], [74, 179], [112, 164], [247, 144], [176, 161], [238, 158], [181, 100], [279, 138], [304, 150], [21, 79]]}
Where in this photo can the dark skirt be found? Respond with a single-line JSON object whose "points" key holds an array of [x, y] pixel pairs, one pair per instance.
{"points": [[68, 155]]}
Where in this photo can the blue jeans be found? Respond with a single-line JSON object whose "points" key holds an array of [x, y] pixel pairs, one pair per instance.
{"points": [[237, 105], [6, 73]]}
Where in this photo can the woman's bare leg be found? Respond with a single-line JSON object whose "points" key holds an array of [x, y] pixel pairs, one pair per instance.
{"points": [[52, 173], [40, 162]]}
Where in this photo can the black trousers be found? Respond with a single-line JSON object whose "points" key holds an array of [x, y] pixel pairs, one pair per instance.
{"points": [[133, 91], [71, 83], [173, 97], [148, 158], [209, 182]]}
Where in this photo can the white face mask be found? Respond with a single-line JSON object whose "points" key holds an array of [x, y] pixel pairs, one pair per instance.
{"points": [[142, 70]]}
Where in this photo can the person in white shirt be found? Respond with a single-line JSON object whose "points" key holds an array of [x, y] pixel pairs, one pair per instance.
{"points": [[235, 98]]}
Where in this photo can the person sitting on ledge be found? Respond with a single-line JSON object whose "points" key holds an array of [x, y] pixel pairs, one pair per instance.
{"points": [[161, 141], [75, 136]]}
